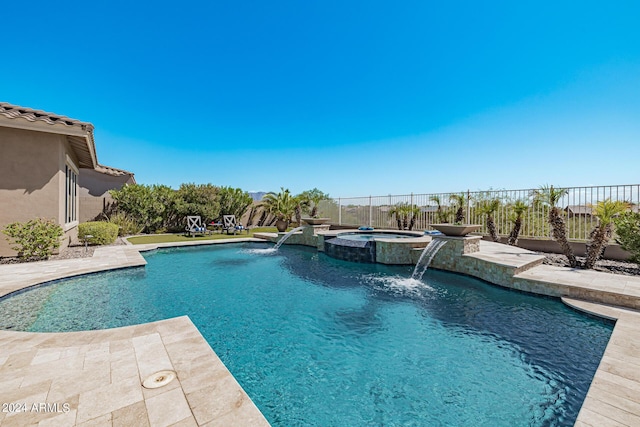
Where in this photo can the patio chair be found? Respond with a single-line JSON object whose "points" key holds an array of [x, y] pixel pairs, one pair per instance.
{"points": [[231, 224], [194, 226]]}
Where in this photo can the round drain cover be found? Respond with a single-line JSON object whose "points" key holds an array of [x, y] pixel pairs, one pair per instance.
{"points": [[159, 379]]}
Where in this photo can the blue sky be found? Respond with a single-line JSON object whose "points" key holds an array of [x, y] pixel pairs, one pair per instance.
{"points": [[355, 98]]}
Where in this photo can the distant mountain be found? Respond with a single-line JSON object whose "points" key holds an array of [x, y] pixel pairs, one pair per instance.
{"points": [[257, 195]]}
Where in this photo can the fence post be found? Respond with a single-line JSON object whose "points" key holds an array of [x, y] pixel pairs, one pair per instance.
{"points": [[339, 211], [370, 211]]}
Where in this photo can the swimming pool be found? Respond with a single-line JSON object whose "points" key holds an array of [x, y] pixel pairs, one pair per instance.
{"points": [[319, 341]]}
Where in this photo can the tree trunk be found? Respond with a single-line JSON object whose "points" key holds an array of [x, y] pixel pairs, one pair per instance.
{"points": [[559, 234], [299, 215], [491, 225], [597, 242], [399, 221], [412, 222], [460, 215], [262, 219], [515, 232], [314, 211]]}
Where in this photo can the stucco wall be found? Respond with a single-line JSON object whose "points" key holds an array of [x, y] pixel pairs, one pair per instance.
{"points": [[32, 179], [94, 192]]}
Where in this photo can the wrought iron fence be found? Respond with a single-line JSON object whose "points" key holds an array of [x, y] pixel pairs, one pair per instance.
{"points": [[426, 209]]}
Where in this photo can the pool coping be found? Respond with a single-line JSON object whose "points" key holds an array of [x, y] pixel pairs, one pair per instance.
{"points": [[612, 400]]}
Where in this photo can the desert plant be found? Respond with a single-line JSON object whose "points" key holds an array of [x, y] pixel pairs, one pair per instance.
{"points": [[549, 197], [405, 215], [234, 201], [282, 205], [34, 239], [441, 213], [459, 203], [98, 232], [127, 225], [489, 208], [313, 199], [628, 231], [518, 209], [605, 211]]}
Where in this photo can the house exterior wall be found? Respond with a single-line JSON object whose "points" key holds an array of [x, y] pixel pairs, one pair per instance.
{"points": [[94, 197], [32, 180]]}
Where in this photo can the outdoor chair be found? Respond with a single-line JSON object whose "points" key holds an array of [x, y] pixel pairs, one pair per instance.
{"points": [[194, 226], [231, 224]]}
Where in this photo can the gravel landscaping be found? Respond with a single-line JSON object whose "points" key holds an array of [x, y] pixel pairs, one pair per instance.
{"points": [[605, 265]]}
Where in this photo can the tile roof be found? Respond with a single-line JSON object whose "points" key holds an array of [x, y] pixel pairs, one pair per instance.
{"points": [[14, 111], [108, 170]]}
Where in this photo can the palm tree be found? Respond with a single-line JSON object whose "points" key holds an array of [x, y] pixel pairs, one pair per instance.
{"points": [[605, 211], [302, 204], [413, 211], [314, 197], [519, 208], [441, 214], [550, 197], [488, 209], [282, 205], [459, 201], [405, 215]]}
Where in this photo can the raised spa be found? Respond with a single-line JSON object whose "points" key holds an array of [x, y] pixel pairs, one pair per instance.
{"points": [[363, 246]]}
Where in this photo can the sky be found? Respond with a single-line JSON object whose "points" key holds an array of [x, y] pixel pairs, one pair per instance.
{"points": [[355, 98]]}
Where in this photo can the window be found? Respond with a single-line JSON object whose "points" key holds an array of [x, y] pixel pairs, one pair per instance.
{"points": [[70, 194]]}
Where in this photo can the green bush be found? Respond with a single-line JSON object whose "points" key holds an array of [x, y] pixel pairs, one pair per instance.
{"points": [[34, 239], [127, 225], [104, 233], [628, 231]]}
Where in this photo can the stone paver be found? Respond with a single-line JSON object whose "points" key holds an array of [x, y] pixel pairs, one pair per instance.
{"points": [[99, 373], [614, 396], [95, 377]]}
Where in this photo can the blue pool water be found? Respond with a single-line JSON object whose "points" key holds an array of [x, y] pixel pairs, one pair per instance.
{"points": [[319, 341]]}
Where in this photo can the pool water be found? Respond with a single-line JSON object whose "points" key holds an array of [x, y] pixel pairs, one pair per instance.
{"points": [[319, 341]]}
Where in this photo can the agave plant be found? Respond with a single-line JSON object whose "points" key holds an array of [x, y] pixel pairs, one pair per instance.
{"points": [[459, 202], [489, 209], [549, 196], [518, 209], [605, 211]]}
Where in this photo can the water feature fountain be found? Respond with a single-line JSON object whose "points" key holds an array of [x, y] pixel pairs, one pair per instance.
{"points": [[429, 252], [286, 236]]}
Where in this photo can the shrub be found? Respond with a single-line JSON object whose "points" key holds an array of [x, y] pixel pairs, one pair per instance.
{"points": [[104, 233], [127, 225], [151, 206], [628, 231], [34, 239], [196, 199]]}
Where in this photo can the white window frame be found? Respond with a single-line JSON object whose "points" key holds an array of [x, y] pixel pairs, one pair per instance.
{"points": [[70, 192]]}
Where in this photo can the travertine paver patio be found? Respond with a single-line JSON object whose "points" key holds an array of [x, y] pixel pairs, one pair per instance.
{"points": [[98, 373], [94, 377]]}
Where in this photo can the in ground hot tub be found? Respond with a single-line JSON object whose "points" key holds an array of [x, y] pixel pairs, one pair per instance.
{"points": [[362, 246]]}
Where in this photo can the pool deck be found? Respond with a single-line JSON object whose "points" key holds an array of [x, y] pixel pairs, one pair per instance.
{"points": [[99, 373]]}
